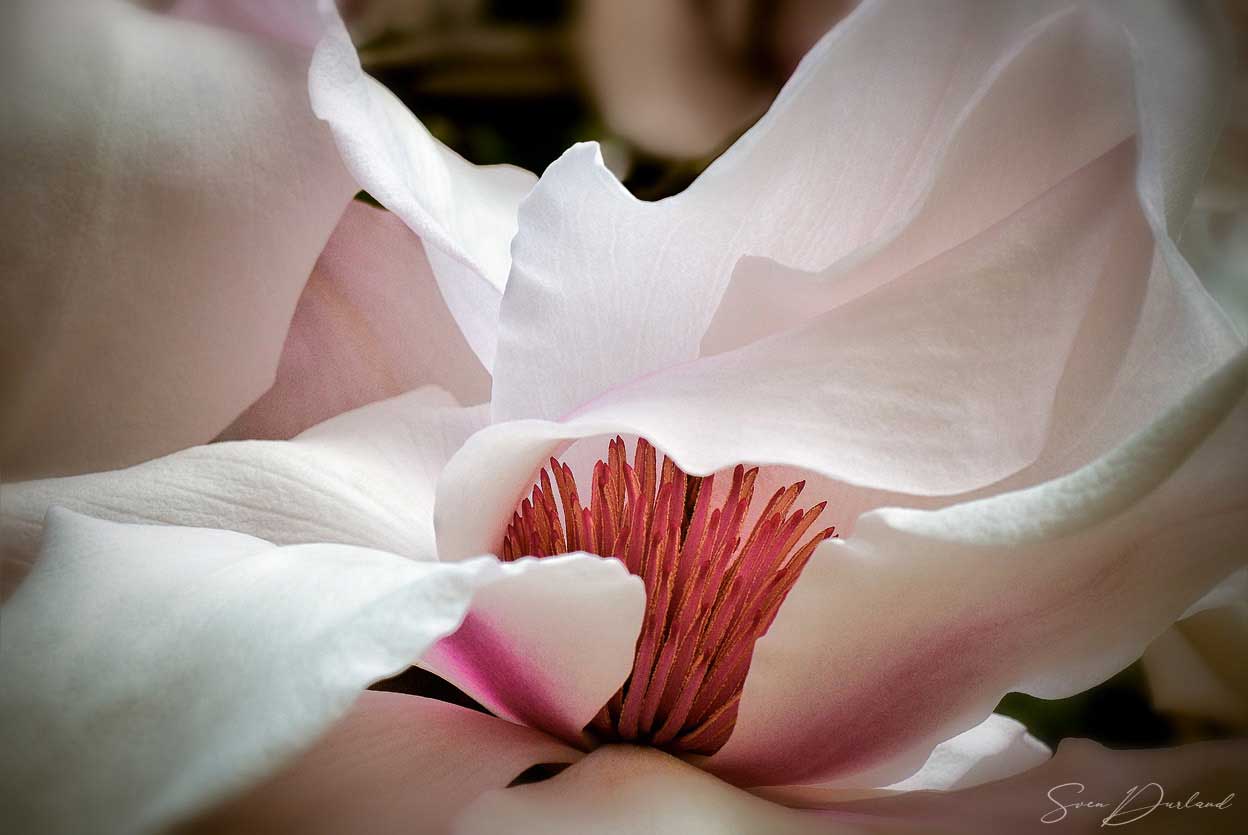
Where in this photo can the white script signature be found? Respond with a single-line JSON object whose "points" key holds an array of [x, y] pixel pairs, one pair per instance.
{"points": [[1138, 802]]}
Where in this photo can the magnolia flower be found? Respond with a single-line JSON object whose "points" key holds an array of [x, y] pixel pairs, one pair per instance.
{"points": [[931, 300]]}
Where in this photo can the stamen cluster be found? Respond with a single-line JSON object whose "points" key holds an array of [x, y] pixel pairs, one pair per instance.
{"points": [[709, 595]]}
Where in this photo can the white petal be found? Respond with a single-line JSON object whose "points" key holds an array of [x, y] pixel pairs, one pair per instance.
{"points": [[395, 763], [625, 790], [997, 748], [149, 671], [464, 214], [169, 191], [362, 478], [980, 118], [912, 629]]}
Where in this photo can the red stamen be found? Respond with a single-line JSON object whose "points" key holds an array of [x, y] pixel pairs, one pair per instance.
{"points": [[708, 596]]}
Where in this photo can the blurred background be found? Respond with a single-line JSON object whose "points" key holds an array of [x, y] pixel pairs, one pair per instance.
{"points": [[664, 86]]}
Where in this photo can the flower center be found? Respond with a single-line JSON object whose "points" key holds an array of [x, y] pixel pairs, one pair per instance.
{"points": [[709, 596]]}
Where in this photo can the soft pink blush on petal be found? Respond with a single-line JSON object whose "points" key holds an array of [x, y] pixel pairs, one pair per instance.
{"points": [[395, 763], [963, 401], [622, 287], [550, 648], [997, 748], [370, 324], [911, 630]]}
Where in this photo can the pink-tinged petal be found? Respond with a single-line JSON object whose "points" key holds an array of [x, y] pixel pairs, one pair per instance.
{"points": [[945, 380], [362, 478], [623, 790], [464, 214], [1033, 803], [1150, 328], [997, 748], [169, 190], [1090, 328], [370, 324], [911, 630], [395, 763], [147, 672], [296, 22], [829, 177], [1062, 95], [550, 649]]}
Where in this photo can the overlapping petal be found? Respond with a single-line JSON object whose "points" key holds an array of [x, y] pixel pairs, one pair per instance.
{"points": [[196, 662], [1003, 592], [1195, 669], [525, 651], [363, 478], [370, 324], [395, 763], [620, 791], [170, 190], [622, 289], [464, 214], [911, 630]]}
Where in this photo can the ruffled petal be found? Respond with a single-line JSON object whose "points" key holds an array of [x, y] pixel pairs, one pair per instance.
{"points": [[987, 112], [363, 478], [527, 654], [149, 672], [464, 214], [370, 324], [912, 629], [169, 191], [1011, 326], [395, 763]]}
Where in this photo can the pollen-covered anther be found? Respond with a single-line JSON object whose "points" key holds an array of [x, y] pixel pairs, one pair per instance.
{"points": [[709, 594]]}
